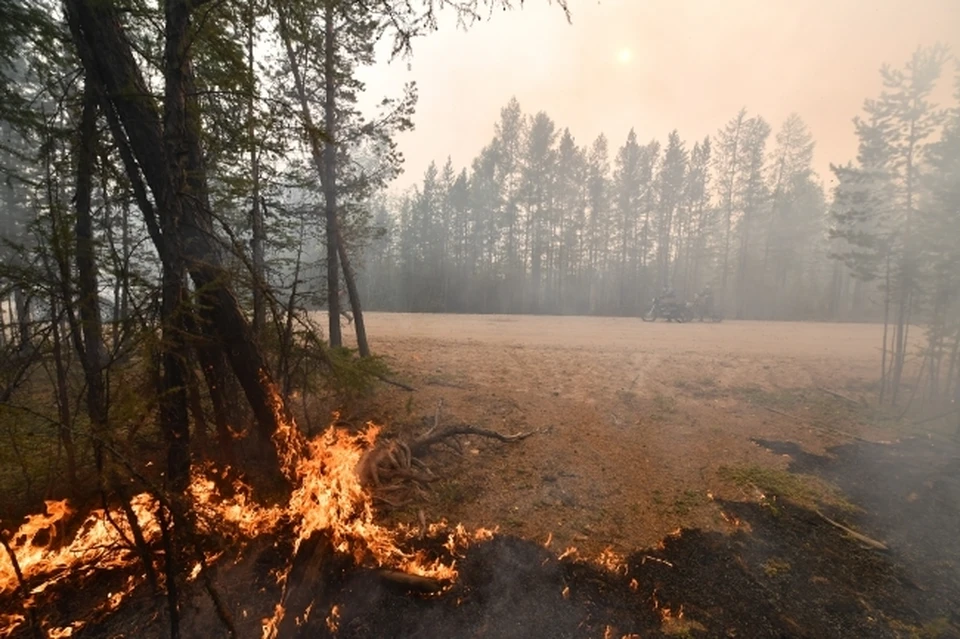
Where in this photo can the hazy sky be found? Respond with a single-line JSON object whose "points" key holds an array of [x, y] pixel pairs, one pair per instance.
{"points": [[656, 65]]}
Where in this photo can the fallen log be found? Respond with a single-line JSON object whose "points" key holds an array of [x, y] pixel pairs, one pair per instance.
{"points": [[410, 582], [872, 543], [422, 445]]}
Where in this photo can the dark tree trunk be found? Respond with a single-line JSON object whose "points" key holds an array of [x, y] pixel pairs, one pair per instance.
{"points": [[354, 293], [63, 397], [329, 179], [108, 59], [93, 351], [259, 235], [22, 304], [216, 375], [324, 157]]}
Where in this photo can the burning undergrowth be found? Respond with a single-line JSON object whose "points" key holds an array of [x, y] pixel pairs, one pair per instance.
{"points": [[321, 566], [329, 506]]}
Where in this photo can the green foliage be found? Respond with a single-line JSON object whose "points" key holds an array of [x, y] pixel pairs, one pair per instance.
{"points": [[804, 490], [351, 376]]}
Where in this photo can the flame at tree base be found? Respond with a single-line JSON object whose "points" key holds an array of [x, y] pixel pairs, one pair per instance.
{"points": [[327, 498]]}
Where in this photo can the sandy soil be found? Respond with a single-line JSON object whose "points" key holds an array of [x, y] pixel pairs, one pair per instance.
{"points": [[635, 419]]}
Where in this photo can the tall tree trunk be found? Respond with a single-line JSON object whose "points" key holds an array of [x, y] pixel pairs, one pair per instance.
{"points": [[108, 59], [259, 235], [22, 304], [329, 176], [181, 160], [93, 351], [324, 160], [63, 396], [886, 328], [731, 183]]}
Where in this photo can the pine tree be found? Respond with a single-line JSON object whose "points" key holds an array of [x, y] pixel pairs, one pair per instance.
{"points": [[752, 198], [628, 187], [670, 182], [727, 160], [598, 202], [876, 204]]}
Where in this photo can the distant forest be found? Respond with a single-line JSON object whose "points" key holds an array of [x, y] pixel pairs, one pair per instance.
{"points": [[540, 223]]}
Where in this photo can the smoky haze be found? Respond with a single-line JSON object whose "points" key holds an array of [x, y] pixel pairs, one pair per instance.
{"points": [[691, 66], [654, 148]]}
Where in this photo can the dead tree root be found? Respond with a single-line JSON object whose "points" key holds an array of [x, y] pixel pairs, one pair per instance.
{"points": [[394, 470]]}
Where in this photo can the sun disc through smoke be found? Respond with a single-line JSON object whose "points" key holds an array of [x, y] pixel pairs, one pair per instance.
{"points": [[624, 56]]}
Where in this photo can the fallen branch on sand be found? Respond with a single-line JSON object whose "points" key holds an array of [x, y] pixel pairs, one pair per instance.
{"points": [[422, 445], [825, 429], [845, 398], [872, 543], [393, 382]]}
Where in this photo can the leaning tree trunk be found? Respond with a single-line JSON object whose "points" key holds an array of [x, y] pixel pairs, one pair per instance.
{"points": [[354, 292], [330, 192], [108, 60]]}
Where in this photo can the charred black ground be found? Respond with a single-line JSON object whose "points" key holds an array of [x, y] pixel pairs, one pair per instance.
{"points": [[785, 573]]}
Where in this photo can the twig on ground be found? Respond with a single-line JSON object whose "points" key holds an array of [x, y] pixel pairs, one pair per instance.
{"points": [[656, 559], [436, 418], [846, 398], [436, 382], [934, 418], [393, 382], [825, 429], [873, 543]]}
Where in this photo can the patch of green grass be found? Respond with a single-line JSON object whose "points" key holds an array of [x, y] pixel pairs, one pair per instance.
{"points": [[687, 501], [773, 567], [804, 490]]}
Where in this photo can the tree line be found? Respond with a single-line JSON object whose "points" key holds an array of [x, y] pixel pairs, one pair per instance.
{"points": [[539, 223], [542, 224]]}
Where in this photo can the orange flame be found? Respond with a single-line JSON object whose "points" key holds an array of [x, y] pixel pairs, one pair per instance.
{"points": [[612, 561], [571, 551], [333, 619], [327, 497]]}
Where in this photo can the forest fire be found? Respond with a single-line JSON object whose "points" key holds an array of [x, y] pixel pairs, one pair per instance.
{"points": [[99, 543], [328, 498]]}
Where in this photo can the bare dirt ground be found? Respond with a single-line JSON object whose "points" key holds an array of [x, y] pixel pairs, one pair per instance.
{"points": [[739, 472], [635, 421]]}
